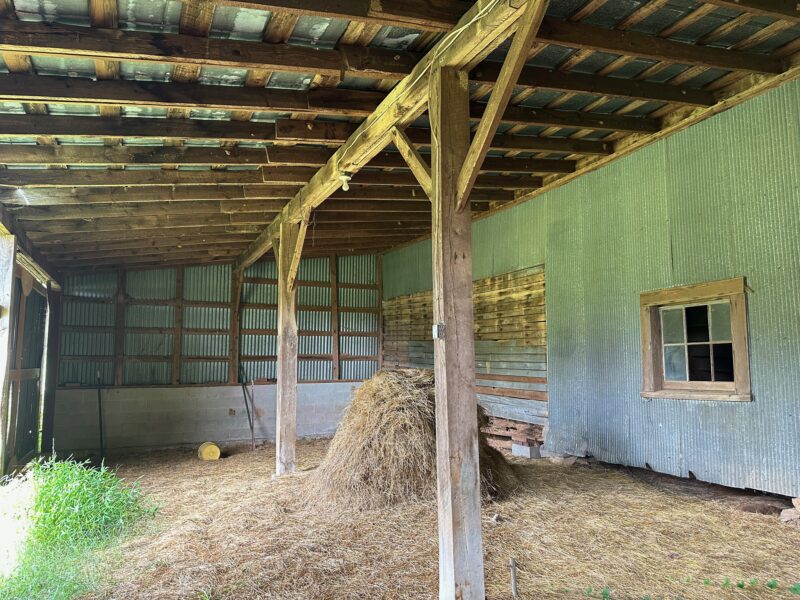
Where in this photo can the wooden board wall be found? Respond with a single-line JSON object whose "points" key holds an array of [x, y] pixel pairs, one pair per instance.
{"points": [[510, 341]]}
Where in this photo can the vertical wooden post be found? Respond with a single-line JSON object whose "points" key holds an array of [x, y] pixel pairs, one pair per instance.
{"points": [[51, 368], [286, 405], [177, 342], [379, 283], [335, 316], [18, 334], [237, 281], [8, 250], [119, 329], [460, 551]]}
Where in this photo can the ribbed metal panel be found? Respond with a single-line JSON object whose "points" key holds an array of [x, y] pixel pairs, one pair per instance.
{"points": [[74, 372], [313, 320], [259, 369], [205, 344], [263, 268], [308, 295], [259, 345], [314, 344], [146, 373], [91, 285], [207, 283], [358, 322], [206, 317], [204, 372], [314, 269], [358, 345], [358, 369], [358, 298], [357, 269], [91, 314], [314, 370], [259, 293], [147, 315], [155, 284], [259, 318], [701, 213], [87, 343], [148, 344]]}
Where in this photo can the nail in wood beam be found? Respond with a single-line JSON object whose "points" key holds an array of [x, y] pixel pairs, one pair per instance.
{"points": [[413, 158], [460, 552], [286, 409], [518, 54]]}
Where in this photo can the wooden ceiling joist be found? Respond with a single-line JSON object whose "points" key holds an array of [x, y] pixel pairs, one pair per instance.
{"points": [[188, 50]]}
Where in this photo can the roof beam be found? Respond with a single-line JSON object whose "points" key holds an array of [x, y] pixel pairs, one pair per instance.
{"points": [[283, 156], [144, 195], [114, 44], [69, 178]]}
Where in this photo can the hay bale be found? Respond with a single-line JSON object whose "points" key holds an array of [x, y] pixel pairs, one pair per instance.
{"points": [[384, 451], [208, 451]]}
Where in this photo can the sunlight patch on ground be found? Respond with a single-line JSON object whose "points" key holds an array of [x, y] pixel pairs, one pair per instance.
{"points": [[16, 497]]}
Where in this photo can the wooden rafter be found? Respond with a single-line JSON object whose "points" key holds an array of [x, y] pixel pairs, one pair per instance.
{"points": [[501, 94]]}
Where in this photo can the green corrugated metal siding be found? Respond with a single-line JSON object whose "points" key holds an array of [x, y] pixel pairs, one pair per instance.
{"points": [[715, 201]]}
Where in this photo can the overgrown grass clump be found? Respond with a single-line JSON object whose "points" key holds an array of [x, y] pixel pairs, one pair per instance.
{"points": [[76, 509]]}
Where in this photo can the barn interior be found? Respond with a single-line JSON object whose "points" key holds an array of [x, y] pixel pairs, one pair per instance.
{"points": [[221, 217]]}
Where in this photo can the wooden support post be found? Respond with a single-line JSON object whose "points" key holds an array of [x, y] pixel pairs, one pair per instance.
{"points": [[286, 407], [237, 280], [8, 250], [177, 343], [25, 287], [460, 550], [119, 329], [379, 282], [336, 373], [51, 368]]}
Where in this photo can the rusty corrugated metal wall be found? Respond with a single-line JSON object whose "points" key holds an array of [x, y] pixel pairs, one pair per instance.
{"points": [[718, 200]]}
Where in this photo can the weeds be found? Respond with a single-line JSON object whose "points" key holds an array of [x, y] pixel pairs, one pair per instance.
{"points": [[76, 510]]}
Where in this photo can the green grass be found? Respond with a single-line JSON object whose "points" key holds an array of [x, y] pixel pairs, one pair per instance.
{"points": [[76, 510]]}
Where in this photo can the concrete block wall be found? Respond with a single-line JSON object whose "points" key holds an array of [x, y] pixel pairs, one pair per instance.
{"points": [[152, 417]]}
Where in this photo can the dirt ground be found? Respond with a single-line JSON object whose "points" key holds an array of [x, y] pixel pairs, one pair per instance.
{"points": [[227, 530]]}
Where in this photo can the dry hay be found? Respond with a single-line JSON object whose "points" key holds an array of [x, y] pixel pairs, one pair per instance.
{"points": [[227, 530], [384, 451]]}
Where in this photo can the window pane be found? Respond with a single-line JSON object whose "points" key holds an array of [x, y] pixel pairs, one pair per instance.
{"points": [[721, 322], [700, 362], [697, 323], [723, 362], [675, 363], [672, 325]]}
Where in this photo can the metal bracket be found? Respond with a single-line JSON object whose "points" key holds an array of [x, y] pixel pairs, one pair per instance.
{"points": [[439, 331]]}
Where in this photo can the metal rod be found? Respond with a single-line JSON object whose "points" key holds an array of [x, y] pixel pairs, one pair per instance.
{"points": [[100, 417]]}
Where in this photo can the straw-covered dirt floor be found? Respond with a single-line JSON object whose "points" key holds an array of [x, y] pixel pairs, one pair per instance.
{"points": [[228, 530]]}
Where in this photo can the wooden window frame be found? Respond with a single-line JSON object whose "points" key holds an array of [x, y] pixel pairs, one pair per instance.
{"points": [[653, 383]]}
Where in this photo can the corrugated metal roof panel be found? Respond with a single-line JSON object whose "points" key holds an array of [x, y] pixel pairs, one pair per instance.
{"points": [[208, 283], [355, 322], [102, 285], [153, 284], [206, 317], [205, 344], [88, 314], [259, 345], [358, 369], [360, 269], [87, 343], [314, 370], [314, 344], [358, 345], [313, 320], [84, 373], [314, 269], [148, 344], [358, 298], [204, 372], [146, 373], [259, 369], [259, 318], [149, 315]]}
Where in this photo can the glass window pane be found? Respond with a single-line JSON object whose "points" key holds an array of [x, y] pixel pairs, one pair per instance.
{"points": [[697, 323], [675, 363], [699, 362], [672, 325], [721, 322], [723, 362]]}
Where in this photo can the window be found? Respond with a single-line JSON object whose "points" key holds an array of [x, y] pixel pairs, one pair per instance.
{"points": [[694, 342]]}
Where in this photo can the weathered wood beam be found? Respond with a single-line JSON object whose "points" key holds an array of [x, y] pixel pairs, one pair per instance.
{"points": [[36, 197], [522, 115], [286, 368], [498, 101], [79, 155], [487, 24], [69, 90], [54, 39], [51, 373], [419, 167], [458, 476], [72, 178]]}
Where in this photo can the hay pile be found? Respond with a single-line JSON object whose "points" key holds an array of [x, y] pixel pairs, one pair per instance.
{"points": [[384, 451]]}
